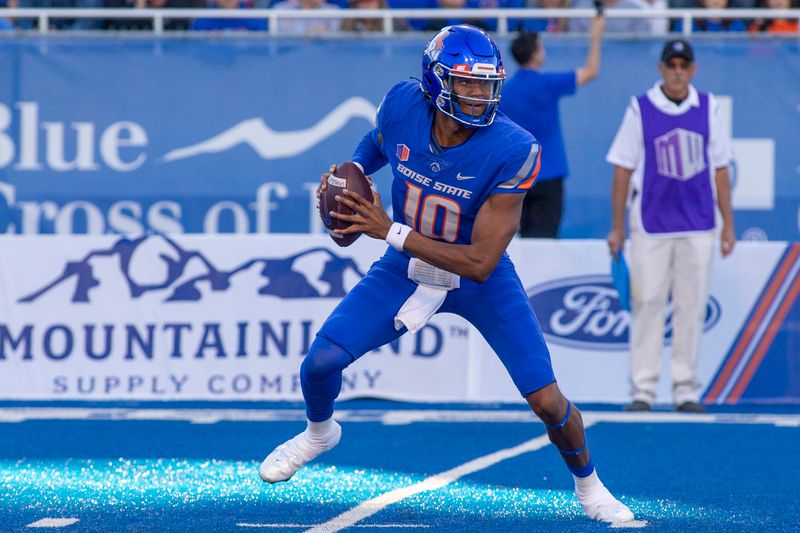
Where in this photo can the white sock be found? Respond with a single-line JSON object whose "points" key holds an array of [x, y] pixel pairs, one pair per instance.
{"points": [[587, 485], [319, 431]]}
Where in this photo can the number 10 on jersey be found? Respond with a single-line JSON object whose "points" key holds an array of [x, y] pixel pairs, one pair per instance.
{"points": [[432, 215]]}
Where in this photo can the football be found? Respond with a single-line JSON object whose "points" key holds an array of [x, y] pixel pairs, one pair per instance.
{"points": [[348, 176]]}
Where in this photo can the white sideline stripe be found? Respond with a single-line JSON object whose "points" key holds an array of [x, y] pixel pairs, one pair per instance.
{"points": [[399, 418], [437, 481], [386, 417], [632, 524], [303, 526], [53, 522]]}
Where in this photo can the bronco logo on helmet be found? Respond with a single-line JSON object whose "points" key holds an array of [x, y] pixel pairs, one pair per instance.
{"points": [[435, 45]]}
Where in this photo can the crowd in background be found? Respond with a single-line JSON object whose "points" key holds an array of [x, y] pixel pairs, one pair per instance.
{"points": [[321, 26]]}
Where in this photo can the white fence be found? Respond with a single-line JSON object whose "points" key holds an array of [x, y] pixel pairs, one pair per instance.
{"points": [[157, 16]]}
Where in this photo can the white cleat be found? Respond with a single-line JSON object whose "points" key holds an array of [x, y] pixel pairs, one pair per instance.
{"points": [[292, 455], [602, 506]]}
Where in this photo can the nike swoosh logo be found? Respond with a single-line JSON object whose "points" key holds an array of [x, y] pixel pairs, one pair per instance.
{"points": [[459, 177]]}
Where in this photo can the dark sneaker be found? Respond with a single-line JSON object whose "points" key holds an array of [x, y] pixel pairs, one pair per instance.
{"points": [[691, 407], [638, 406]]}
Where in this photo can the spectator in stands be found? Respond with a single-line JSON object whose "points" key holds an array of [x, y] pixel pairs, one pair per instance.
{"points": [[658, 26], [491, 23], [439, 23], [371, 24], [414, 23], [531, 100], [713, 24], [62, 24], [614, 25], [776, 25], [550, 25], [674, 150], [7, 24], [689, 4], [229, 24], [316, 26], [182, 24], [653, 26]]}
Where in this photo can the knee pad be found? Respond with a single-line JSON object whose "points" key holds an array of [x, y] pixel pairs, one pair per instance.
{"points": [[324, 358]]}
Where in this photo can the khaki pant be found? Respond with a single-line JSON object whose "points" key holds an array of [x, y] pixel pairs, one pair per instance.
{"points": [[658, 266]]}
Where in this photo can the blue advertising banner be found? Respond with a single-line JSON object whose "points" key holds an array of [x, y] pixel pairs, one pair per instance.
{"points": [[124, 135]]}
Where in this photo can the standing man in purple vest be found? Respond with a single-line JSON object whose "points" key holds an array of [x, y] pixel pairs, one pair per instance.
{"points": [[671, 157]]}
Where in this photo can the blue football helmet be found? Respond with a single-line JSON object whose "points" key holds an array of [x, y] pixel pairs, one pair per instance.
{"points": [[462, 71]]}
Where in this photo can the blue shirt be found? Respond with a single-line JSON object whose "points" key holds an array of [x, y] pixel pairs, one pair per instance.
{"points": [[732, 25], [229, 24], [439, 191], [530, 98]]}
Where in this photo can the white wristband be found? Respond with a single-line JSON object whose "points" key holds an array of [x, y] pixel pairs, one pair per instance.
{"points": [[397, 235]]}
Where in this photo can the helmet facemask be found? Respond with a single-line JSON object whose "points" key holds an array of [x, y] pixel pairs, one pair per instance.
{"points": [[469, 95]]}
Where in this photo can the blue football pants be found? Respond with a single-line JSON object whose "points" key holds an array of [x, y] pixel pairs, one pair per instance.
{"points": [[364, 320]]}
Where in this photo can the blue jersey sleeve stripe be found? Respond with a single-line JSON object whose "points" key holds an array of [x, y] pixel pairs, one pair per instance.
{"points": [[528, 183], [524, 172]]}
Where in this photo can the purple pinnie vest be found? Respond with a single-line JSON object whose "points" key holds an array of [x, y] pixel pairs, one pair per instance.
{"points": [[677, 194]]}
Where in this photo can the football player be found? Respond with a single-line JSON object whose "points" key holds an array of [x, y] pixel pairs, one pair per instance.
{"points": [[461, 170]]}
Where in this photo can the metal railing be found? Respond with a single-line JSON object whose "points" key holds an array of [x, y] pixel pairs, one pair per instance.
{"points": [[157, 16]]}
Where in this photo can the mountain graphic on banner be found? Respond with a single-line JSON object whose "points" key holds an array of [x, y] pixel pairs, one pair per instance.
{"points": [[312, 273], [271, 144]]}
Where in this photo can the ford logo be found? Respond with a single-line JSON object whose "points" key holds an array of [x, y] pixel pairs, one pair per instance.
{"points": [[584, 312]]}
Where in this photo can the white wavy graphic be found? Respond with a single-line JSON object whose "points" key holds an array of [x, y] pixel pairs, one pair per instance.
{"points": [[271, 144]]}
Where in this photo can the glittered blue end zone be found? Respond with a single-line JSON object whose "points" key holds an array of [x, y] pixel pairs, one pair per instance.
{"points": [[197, 471]]}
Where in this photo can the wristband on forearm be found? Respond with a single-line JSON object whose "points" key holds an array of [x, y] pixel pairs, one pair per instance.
{"points": [[397, 235]]}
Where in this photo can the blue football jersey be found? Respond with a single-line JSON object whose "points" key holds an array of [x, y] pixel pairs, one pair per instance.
{"points": [[438, 191]]}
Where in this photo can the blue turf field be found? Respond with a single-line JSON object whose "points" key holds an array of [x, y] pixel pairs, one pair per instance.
{"points": [[195, 470]]}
